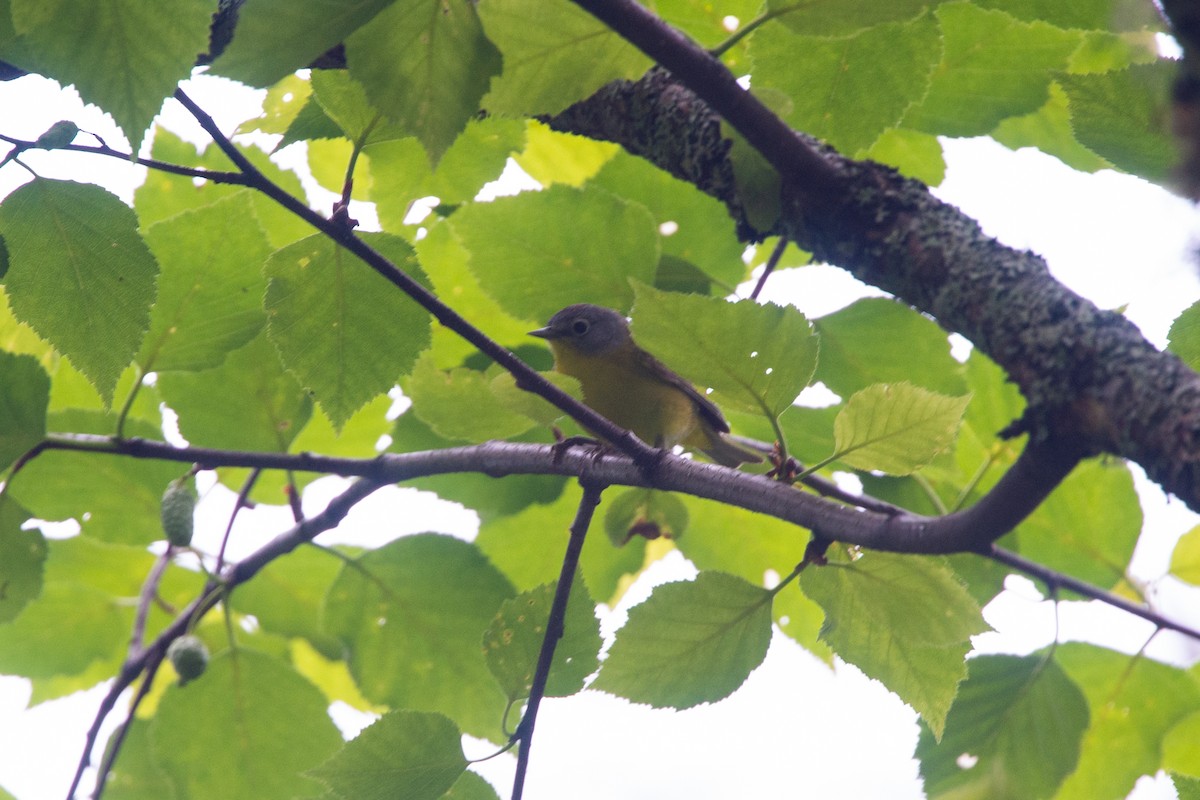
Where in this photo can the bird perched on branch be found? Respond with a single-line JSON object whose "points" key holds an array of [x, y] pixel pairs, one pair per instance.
{"points": [[632, 388]]}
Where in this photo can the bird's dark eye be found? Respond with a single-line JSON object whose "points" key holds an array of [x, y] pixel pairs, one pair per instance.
{"points": [[579, 327]]}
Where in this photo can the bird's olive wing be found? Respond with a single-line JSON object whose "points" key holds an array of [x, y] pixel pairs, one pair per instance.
{"points": [[706, 408]]}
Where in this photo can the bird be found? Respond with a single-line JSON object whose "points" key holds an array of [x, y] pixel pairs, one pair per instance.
{"points": [[632, 388]]}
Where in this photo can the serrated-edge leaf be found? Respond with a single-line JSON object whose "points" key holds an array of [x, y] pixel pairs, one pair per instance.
{"points": [[896, 428], [691, 642]]}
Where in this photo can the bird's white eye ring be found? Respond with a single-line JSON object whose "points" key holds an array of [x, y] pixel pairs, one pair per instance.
{"points": [[579, 327]]}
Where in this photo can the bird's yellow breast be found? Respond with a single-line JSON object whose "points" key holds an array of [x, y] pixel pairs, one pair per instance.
{"points": [[619, 387]]}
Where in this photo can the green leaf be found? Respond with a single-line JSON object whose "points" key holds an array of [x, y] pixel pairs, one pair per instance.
{"points": [[513, 640], [70, 627], [916, 154], [286, 596], [703, 21], [136, 774], [344, 101], [460, 404], [554, 54], [756, 358], [1185, 558], [831, 19], [122, 55], [24, 396], [1124, 117], [340, 327], [117, 498], [1050, 130], [246, 747], [904, 620], [644, 513], [993, 66], [528, 546], [426, 64], [760, 549], [411, 615], [403, 754], [1134, 703], [691, 642], [882, 341], [277, 37], [80, 274], [1087, 527], [1021, 720], [164, 195], [247, 403], [869, 78], [470, 786], [210, 289], [22, 556], [540, 251], [758, 183], [896, 428], [552, 156], [1180, 754], [487, 496], [1184, 336], [693, 227]]}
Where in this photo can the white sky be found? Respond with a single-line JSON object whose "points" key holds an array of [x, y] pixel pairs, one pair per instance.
{"points": [[795, 723]]}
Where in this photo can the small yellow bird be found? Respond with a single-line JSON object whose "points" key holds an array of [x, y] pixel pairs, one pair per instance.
{"points": [[632, 388]]}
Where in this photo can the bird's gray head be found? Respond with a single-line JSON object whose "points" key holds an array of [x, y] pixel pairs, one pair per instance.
{"points": [[594, 330]]}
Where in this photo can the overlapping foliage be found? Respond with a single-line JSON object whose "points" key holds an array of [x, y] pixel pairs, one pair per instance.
{"points": [[260, 336]]}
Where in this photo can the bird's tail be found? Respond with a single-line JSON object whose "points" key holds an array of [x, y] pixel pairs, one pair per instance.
{"points": [[728, 453]]}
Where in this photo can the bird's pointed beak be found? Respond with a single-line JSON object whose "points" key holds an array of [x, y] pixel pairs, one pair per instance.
{"points": [[545, 333]]}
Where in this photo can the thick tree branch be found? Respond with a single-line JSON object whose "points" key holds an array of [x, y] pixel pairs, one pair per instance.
{"points": [[1088, 375], [1035, 474]]}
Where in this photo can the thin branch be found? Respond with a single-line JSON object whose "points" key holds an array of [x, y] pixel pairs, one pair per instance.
{"points": [[1056, 580], [772, 262], [554, 628], [118, 740], [216, 176], [527, 377], [149, 590], [797, 163], [235, 575], [243, 501]]}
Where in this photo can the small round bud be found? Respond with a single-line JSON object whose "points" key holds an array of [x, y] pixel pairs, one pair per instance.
{"points": [[189, 657]]}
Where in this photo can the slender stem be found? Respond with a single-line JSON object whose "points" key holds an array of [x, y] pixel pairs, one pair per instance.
{"points": [[772, 262], [554, 628], [243, 501], [1054, 580], [118, 740], [749, 28], [149, 590]]}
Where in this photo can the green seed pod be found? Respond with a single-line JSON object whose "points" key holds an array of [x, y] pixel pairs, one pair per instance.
{"points": [[178, 503], [189, 657]]}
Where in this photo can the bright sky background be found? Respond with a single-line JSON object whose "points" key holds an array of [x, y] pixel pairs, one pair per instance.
{"points": [[795, 723]]}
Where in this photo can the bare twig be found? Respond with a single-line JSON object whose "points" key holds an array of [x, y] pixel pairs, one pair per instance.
{"points": [[243, 501], [772, 262], [554, 629], [1055, 580], [149, 590], [234, 575]]}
